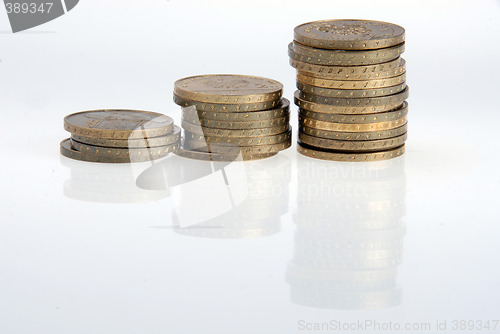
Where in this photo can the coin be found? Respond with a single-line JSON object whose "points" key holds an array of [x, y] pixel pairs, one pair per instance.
{"points": [[281, 111], [234, 133], [239, 141], [342, 156], [351, 84], [350, 119], [207, 156], [215, 124], [247, 150], [353, 146], [375, 135], [357, 102], [118, 124], [153, 152], [342, 127], [333, 109], [367, 72], [172, 138], [228, 89], [350, 93], [349, 34], [68, 151], [217, 107], [311, 55]]}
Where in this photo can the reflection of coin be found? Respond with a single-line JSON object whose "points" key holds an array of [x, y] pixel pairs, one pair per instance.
{"points": [[239, 141], [311, 55], [375, 135], [206, 156], [118, 124], [361, 127], [350, 93], [234, 133], [132, 143], [350, 119], [218, 107], [349, 34], [367, 72], [281, 111], [348, 108], [228, 89], [113, 152], [351, 145], [68, 151], [216, 124], [335, 156], [351, 84]]}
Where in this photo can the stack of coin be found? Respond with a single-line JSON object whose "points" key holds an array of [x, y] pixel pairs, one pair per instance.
{"points": [[352, 89], [230, 116], [119, 136]]}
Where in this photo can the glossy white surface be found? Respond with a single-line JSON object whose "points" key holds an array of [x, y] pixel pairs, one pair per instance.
{"points": [[91, 248]]}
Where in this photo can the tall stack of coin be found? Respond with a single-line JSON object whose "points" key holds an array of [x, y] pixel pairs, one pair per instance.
{"points": [[352, 89], [119, 136], [226, 116]]}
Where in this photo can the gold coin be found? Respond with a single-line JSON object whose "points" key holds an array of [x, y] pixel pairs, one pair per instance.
{"points": [[231, 149], [375, 135], [207, 156], [350, 119], [342, 127], [367, 72], [123, 152], [239, 141], [316, 56], [217, 107], [216, 124], [349, 34], [351, 145], [118, 124], [282, 111], [342, 156], [132, 143], [356, 102], [228, 89], [350, 93], [351, 84], [333, 109], [69, 151], [234, 133]]}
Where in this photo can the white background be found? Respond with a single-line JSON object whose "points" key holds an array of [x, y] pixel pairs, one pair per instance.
{"points": [[69, 265]]}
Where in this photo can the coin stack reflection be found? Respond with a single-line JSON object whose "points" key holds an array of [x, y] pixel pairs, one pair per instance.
{"points": [[349, 237], [232, 115], [258, 215], [352, 89], [119, 136]]}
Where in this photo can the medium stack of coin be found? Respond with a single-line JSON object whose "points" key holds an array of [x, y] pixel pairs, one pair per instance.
{"points": [[352, 89], [230, 116], [119, 136]]}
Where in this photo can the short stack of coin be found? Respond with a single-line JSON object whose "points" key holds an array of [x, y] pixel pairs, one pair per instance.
{"points": [[352, 89], [230, 116], [119, 136]]}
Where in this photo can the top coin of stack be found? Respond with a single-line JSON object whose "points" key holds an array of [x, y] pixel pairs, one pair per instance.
{"points": [[352, 89], [225, 116], [119, 136]]}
